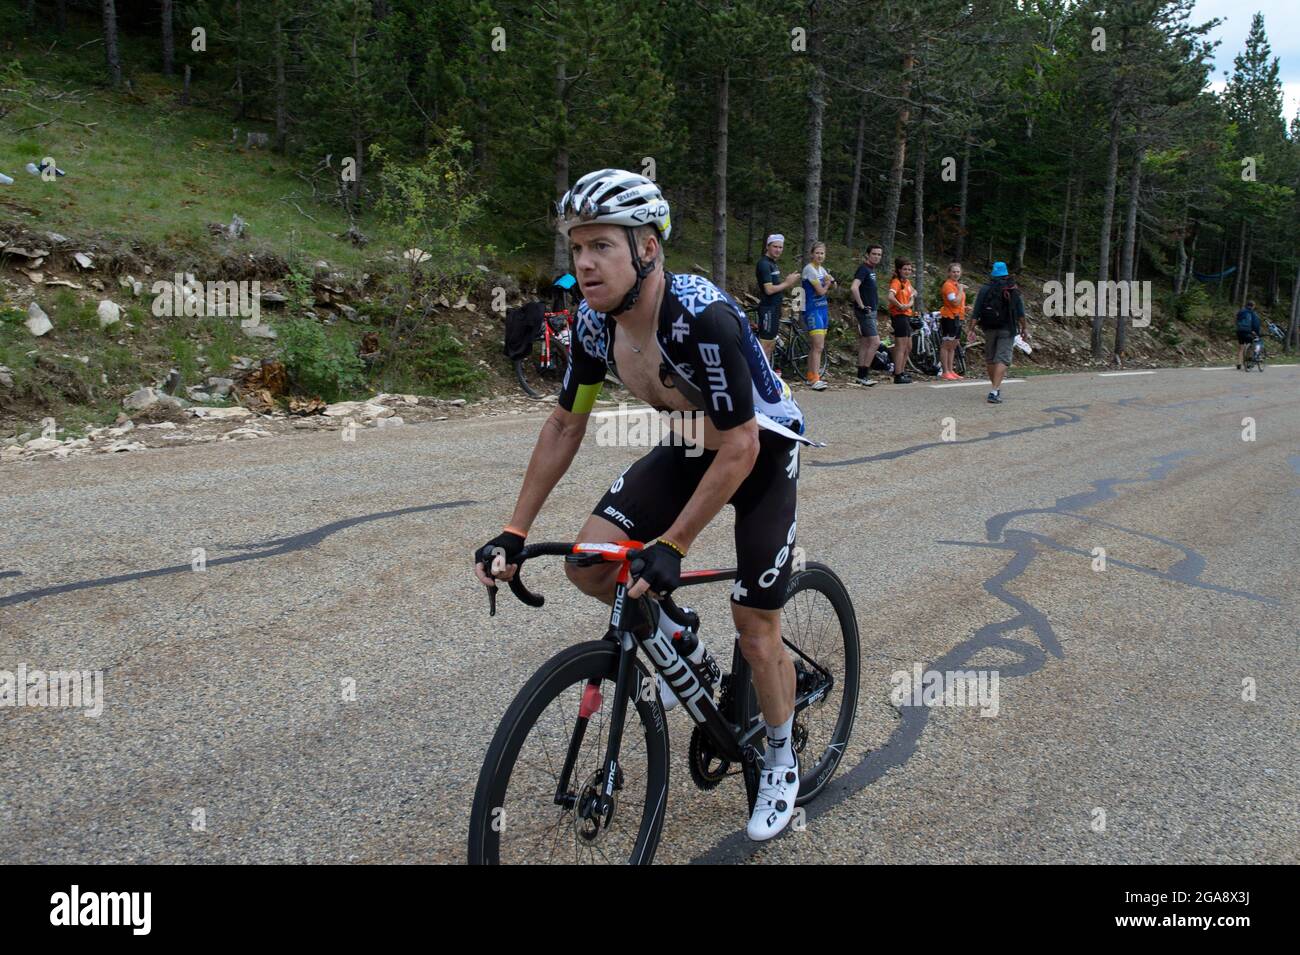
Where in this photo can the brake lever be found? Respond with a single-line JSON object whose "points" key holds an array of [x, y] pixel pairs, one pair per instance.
{"points": [[492, 600]]}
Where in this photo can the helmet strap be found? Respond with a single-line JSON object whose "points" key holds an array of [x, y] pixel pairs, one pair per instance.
{"points": [[642, 270]]}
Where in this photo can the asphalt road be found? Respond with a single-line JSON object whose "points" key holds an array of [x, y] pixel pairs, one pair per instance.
{"points": [[1160, 695]]}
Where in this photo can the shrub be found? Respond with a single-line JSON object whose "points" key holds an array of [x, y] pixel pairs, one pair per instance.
{"points": [[320, 365]]}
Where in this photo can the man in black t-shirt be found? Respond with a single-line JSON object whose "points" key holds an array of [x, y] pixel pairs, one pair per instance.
{"points": [[771, 290], [865, 301]]}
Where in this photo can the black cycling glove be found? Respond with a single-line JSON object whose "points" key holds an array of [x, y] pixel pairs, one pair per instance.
{"points": [[507, 542], [658, 565]]}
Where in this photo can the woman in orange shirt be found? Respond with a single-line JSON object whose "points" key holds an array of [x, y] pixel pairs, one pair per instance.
{"points": [[951, 313], [901, 294]]}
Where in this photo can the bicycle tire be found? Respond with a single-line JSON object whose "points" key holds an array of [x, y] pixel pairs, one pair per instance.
{"points": [[492, 811], [537, 382], [819, 578], [797, 351], [959, 359]]}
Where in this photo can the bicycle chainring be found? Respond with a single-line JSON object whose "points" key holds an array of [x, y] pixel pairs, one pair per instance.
{"points": [[707, 768]]}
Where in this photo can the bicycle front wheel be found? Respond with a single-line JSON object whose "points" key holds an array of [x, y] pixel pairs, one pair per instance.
{"points": [[820, 628], [528, 810], [540, 378]]}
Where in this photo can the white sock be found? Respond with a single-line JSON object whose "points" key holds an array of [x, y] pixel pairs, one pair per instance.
{"points": [[779, 750]]}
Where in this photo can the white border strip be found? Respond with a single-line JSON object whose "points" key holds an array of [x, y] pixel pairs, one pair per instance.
{"points": [[1120, 374]]}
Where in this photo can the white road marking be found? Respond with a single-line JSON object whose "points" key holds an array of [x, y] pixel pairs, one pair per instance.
{"points": [[643, 409], [982, 381], [1219, 368], [1118, 374]]}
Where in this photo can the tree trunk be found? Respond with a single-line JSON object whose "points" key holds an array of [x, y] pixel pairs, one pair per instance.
{"points": [[358, 133], [894, 197], [918, 217], [857, 175], [1107, 214], [1065, 228], [61, 15], [281, 86], [1078, 222], [1241, 264], [560, 250], [1191, 256], [749, 234], [185, 87], [110, 44], [961, 215], [1128, 261], [720, 181], [1271, 299], [1293, 333], [1245, 276], [241, 95], [169, 48], [812, 196]]}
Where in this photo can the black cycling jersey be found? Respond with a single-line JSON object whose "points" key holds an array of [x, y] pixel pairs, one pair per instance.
{"points": [[707, 352]]}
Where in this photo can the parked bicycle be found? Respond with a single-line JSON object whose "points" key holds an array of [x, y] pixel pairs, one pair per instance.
{"points": [[563, 782], [790, 351], [541, 372], [926, 342]]}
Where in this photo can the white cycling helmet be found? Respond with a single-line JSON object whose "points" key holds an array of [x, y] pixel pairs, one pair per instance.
{"points": [[616, 197]]}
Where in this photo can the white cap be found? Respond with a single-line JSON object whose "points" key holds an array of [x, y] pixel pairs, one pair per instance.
{"points": [[774, 237]]}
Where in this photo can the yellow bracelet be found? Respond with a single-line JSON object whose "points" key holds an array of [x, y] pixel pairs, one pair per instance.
{"points": [[677, 550]]}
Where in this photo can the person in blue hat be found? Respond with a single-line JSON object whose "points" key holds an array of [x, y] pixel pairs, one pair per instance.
{"points": [[998, 311]]}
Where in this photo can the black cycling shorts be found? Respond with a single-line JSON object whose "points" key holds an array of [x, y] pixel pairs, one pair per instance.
{"points": [[769, 322], [1245, 338], [902, 326], [651, 493], [949, 329]]}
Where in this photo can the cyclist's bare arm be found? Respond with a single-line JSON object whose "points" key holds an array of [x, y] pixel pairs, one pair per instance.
{"points": [[556, 447]]}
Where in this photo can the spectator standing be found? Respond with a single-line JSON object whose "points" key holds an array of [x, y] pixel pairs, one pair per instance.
{"points": [[817, 283], [951, 313], [771, 292], [901, 300], [865, 297]]}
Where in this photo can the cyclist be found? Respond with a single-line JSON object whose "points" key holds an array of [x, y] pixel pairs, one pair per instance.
{"points": [[678, 342], [1247, 331], [771, 291], [817, 283]]}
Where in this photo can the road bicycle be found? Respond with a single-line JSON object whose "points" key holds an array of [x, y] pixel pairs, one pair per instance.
{"points": [[564, 780], [541, 371], [926, 343], [1255, 355], [790, 350]]}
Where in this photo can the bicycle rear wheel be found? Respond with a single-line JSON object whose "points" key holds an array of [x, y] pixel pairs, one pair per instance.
{"points": [[796, 351], [515, 817], [820, 629], [540, 379]]}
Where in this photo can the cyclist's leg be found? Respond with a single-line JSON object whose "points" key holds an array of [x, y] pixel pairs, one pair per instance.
{"points": [[640, 505], [765, 534]]}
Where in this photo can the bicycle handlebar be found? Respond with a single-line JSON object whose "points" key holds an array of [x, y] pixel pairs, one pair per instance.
{"points": [[674, 613]]}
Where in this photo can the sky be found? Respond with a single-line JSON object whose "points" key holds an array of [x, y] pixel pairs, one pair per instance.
{"points": [[1281, 23]]}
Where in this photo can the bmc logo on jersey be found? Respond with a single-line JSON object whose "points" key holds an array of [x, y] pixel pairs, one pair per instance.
{"points": [[717, 375]]}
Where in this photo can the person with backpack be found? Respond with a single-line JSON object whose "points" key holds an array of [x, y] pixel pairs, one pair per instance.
{"points": [[999, 310], [1248, 328], [901, 296]]}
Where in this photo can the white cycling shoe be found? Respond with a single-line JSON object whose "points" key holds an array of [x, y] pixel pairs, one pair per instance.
{"points": [[778, 788]]}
